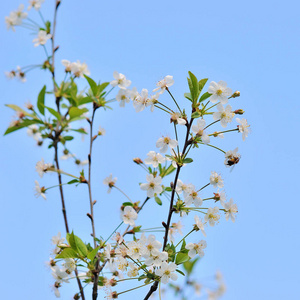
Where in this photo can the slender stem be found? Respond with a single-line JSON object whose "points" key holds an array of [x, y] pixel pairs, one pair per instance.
{"points": [[176, 138], [236, 129], [46, 52], [165, 106], [114, 232], [32, 21], [122, 193], [89, 179], [43, 17], [134, 288], [174, 99], [213, 147], [184, 237], [203, 187], [57, 134], [212, 124], [162, 109]]}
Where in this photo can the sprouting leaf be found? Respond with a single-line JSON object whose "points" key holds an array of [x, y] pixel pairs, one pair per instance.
{"points": [[73, 181], [204, 96], [188, 96], [53, 112], [181, 258], [91, 255], [92, 84], [17, 108], [187, 160], [67, 253], [180, 272], [23, 124], [194, 87], [202, 83], [196, 115], [78, 245], [75, 112], [158, 201], [41, 101]]}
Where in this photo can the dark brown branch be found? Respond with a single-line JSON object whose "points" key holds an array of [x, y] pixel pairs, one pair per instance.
{"points": [[171, 210]]}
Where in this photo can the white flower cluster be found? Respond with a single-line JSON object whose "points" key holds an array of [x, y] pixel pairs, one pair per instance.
{"points": [[77, 68], [16, 18]]}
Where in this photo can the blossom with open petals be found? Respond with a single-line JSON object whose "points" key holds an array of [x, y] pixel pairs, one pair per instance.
{"points": [[243, 127], [153, 186], [199, 130], [220, 92], [225, 115], [42, 38], [164, 83], [164, 142], [120, 80], [167, 272]]}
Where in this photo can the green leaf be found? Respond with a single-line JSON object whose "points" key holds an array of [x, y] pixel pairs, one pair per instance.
{"points": [[187, 160], [67, 253], [170, 170], [188, 96], [196, 115], [168, 189], [41, 101], [202, 83], [92, 83], [158, 201], [194, 87], [68, 138], [127, 204], [189, 265], [53, 112], [73, 181], [204, 96], [23, 124], [17, 108], [84, 100], [103, 86], [183, 245], [180, 272], [75, 112], [181, 258], [80, 130], [78, 245], [91, 255]]}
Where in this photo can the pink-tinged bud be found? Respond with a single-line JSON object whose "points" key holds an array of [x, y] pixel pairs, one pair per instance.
{"points": [[137, 160], [217, 196], [114, 295], [239, 111], [235, 94]]}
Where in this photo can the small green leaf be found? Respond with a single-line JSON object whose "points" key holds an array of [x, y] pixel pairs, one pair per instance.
{"points": [[127, 204], [17, 108], [68, 138], [189, 265], [91, 255], [53, 112], [67, 253], [80, 131], [181, 258], [23, 124], [170, 170], [92, 83], [78, 245], [188, 96], [183, 245], [73, 181], [41, 101], [168, 189], [194, 87], [202, 83], [204, 96], [196, 115], [187, 160], [180, 272], [84, 100], [75, 112], [158, 201]]}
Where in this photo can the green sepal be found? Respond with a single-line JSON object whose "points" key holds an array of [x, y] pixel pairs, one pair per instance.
{"points": [[187, 160], [73, 181], [196, 114], [180, 272], [127, 204]]}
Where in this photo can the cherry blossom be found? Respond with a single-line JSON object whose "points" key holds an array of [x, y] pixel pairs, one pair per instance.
{"points": [[220, 92]]}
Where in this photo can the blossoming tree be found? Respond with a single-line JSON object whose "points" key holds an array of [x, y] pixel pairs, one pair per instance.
{"points": [[130, 252]]}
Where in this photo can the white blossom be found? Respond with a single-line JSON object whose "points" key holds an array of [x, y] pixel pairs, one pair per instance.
{"points": [[15, 18], [164, 83], [151, 245], [42, 38], [101, 131], [154, 159], [133, 271], [42, 168], [220, 196], [129, 215], [232, 157], [123, 97], [164, 142], [157, 258], [196, 248], [33, 131], [220, 92], [199, 224], [120, 80], [212, 216], [230, 210], [175, 228], [193, 197], [59, 275], [243, 127], [185, 188], [141, 101], [176, 118], [67, 64], [79, 69], [167, 271], [110, 182], [152, 100], [153, 186], [136, 248], [199, 130], [36, 4], [40, 191], [216, 180], [225, 115], [69, 265]]}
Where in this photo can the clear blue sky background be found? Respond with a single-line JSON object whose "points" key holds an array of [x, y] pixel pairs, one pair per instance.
{"points": [[254, 46]]}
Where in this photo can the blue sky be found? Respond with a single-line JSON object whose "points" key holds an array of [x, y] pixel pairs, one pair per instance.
{"points": [[253, 46]]}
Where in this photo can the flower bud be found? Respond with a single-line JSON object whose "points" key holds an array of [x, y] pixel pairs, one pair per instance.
{"points": [[76, 297], [239, 111], [235, 94], [137, 160]]}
